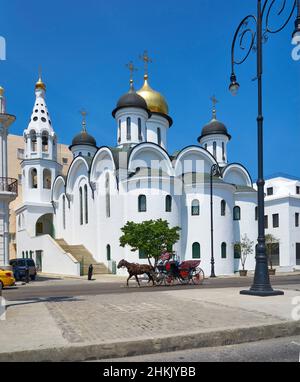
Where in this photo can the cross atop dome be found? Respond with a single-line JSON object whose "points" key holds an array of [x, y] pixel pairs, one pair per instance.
{"points": [[147, 60], [214, 102], [132, 69], [83, 114]]}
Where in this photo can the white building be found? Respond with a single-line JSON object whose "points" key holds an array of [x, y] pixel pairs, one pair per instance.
{"points": [[64, 220], [282, 218], [8, 186]]}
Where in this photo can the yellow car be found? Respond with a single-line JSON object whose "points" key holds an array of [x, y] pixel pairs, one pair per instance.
{"points": [[6, 278]]}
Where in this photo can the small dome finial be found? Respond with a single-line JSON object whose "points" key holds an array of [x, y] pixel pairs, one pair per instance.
{"points": [[214, 111], [40, 84], [83, 123]]}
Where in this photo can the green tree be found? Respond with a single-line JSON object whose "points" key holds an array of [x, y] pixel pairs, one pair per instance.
{"points": [[151, 237], [271, 241]]}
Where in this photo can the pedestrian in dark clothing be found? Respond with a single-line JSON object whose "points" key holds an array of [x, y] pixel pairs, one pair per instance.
{"points": [[90, 272]]}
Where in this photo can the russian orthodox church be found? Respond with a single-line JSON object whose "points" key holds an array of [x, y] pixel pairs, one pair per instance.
{"points": [[68, 222]]}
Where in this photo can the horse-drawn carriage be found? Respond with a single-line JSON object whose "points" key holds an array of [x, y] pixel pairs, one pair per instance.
{"points": [[169, 271]]}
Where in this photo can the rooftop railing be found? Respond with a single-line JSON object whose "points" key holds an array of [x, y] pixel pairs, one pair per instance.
{"points": [[9, 185]]}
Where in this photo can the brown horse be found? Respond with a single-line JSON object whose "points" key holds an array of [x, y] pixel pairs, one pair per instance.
{"points": [[137, 269]]}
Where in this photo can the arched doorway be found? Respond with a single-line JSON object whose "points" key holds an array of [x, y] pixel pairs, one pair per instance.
{"points": [[44, 225]]}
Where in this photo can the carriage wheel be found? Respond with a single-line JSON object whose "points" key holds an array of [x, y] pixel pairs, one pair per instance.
{"points": [[169, 280], [184, 281], [197, 276]]}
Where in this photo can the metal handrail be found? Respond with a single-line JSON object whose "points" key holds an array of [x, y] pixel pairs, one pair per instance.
{"points": [[9, 185]]}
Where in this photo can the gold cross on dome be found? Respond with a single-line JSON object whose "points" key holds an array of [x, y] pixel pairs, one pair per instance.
{"points": [[40, 72], [132, 69], [214, 101], [83, 114], [147, 60]]}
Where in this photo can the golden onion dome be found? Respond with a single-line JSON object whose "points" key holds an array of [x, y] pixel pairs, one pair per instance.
{"points": [[40, 84], [155, 101], [1, 91]]}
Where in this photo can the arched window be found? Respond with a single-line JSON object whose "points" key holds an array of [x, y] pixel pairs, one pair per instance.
{"points": [[223, 151], [256, 213], [146, 133], [86, 205], [223, 208], [237, 251], [33, 140], [19, 222], [108, 252], [236, 213], [215, 149], [45, 139], [195, 207], [205, 146], [107, 195], [80, 206], [119, 131], [64, 212], [159, 136], [168, 203], [142, 203], [140, 129], [196, 251], [223, 251], [128, 128], [33, 178], [47, 179]]}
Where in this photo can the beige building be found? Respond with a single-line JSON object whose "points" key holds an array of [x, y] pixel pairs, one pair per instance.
{"points": [[15, 157]]}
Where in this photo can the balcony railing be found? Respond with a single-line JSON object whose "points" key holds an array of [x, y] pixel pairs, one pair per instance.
{"points": [[9, 185]]}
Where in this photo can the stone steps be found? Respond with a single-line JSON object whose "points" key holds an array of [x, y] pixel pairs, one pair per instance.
{"points": [[83, 256]]}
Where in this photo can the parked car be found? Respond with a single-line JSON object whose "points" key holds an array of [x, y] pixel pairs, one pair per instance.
{"points": [[6, 278], [20, 267]]}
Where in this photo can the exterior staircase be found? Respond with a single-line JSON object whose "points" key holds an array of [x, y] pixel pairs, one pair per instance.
{"points": [[84, 257]]}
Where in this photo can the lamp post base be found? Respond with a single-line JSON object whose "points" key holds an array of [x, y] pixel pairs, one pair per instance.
{"points": [[262, 293]]}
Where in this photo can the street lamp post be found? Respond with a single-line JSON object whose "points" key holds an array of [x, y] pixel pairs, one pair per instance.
{"points": [[261, 285], [214, 171]]}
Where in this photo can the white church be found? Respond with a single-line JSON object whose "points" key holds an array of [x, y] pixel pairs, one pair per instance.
{"points": [[67, 223]]}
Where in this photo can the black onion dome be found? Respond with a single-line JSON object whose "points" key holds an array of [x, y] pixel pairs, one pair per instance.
{"points": [[131, 99], [214, 127], [83, 138]]}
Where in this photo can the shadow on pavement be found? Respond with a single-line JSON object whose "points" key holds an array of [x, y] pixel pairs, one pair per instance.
{"points": [[44, 299]]}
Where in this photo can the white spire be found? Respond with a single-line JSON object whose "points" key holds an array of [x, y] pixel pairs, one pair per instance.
{"points": [[39, 135], [40, 118]]}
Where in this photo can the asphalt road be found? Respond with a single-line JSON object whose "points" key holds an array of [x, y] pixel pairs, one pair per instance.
{"points": [[45, 287], [275, 350]]}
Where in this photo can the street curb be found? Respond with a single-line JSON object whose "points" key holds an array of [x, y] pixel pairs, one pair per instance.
{"points": [[182, 341]]}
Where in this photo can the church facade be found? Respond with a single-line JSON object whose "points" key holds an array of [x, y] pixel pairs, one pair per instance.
{"points": [[136, 180]]}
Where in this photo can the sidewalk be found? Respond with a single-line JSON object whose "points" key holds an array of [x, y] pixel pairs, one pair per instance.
{"points": [[107, 326], [116, 278]]}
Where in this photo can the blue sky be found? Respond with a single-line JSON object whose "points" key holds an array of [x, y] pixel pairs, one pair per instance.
{"points": [[83, 48]]}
